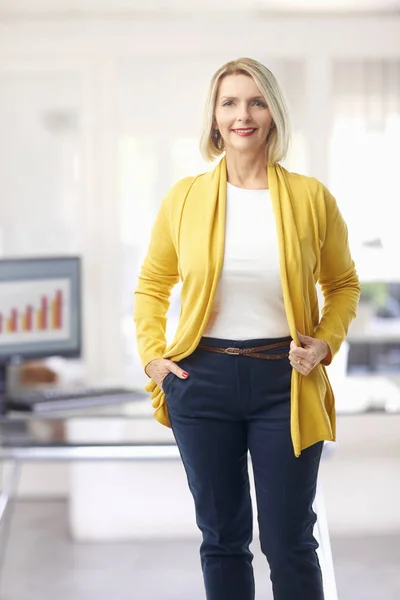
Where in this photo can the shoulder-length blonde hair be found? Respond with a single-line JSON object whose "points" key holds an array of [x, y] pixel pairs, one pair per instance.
{"points": [[277, 142]]}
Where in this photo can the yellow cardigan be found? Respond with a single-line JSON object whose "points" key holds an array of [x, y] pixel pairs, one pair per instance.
{"points": [[187, 244]]}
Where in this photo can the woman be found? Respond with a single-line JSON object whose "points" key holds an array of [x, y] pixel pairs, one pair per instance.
{"points": [[246, 370]]}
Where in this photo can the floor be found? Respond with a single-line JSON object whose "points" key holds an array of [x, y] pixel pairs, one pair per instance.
{"points": [[42, 563]]}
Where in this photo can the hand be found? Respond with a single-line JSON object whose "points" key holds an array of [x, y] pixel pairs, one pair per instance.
{"points": [[159, 368], [310, 353]]}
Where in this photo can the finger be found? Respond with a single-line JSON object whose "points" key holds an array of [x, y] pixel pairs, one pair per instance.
{"points": [[305, 359], [300, 368], [306, 354], [293, 345], [296, 366], [176, 370], [180, 373], [299, 353]]}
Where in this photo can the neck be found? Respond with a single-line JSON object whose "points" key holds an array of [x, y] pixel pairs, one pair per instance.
{"points": [[247, 170]]}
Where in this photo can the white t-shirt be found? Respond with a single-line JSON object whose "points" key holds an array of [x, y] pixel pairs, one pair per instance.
{"points": [[249, 301]]}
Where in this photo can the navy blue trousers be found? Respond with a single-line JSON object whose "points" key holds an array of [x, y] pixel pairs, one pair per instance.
{"points": [[231, 405]]}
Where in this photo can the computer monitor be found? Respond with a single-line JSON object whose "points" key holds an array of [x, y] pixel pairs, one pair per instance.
{"points": [[40, 309]]}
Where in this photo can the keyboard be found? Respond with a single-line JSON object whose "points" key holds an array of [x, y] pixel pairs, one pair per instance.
{"points": [[50, 399]]}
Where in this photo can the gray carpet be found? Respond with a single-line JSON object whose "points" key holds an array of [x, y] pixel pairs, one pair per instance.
{"points": [[42, 563]]}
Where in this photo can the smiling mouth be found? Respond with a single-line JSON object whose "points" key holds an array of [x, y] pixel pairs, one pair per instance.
{"points": [[244, 132]]}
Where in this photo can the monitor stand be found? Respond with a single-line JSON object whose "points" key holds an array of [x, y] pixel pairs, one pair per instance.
{"points": [[3, 388]]}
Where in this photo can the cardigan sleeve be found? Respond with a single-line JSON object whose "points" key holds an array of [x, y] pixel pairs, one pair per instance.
{"points": [[157, 277], [338, 278]]}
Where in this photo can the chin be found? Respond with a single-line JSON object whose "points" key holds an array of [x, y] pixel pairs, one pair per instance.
{"points": [[246, 143]]}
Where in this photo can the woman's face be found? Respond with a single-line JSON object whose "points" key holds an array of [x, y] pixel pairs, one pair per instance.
{"points": [[241, 114]]}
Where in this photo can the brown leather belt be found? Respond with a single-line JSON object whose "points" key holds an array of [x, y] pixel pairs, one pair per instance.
{"points": [[251, 352]]}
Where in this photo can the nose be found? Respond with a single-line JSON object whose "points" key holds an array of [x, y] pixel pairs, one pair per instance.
{"points": [[244, 113]]}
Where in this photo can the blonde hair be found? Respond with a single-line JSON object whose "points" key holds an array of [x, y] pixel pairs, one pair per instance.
{"points": [[277, 142]]}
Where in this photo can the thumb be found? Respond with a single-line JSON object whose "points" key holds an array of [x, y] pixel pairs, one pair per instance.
{"points": [[302, 337], [306, 340]]}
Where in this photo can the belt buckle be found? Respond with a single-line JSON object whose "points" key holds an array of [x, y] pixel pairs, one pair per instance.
{"points": [[232, 350]]}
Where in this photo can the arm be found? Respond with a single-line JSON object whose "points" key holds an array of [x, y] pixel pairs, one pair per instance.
{"points": [[158, 275], [338, 279]]}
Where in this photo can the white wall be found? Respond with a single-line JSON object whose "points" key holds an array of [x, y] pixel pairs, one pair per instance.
{"points": [[226, 34]]}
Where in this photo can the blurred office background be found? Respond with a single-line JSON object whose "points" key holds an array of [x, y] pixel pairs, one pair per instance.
{"points": [[100, 112]]}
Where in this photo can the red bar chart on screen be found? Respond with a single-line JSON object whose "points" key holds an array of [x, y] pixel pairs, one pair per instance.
{"points": [[34, 310]]}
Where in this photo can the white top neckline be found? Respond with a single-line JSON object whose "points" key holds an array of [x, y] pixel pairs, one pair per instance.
{"points": [[235, 187]]}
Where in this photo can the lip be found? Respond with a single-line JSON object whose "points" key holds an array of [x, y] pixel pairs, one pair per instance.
{"points": [[245, 131]]}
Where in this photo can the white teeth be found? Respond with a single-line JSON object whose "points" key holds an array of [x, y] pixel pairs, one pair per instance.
{"points": [[244, 130]]}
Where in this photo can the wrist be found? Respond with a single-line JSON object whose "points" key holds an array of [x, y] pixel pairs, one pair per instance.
{"points": [[325, 349], [145, 369], [148, 364]]}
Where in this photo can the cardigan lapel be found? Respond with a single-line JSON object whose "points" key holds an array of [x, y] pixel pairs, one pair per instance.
{"points": [[213, 192], [289, 249], [291, 276], [215, 220]]}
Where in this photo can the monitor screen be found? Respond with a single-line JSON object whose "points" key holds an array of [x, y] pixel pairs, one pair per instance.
{"points": [[40, 301]]}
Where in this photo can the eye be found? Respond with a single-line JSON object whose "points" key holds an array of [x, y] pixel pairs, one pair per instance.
{"points": [[260, 103], [227, 103]]}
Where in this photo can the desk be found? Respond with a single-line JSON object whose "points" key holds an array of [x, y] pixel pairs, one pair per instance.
{"points": [[377, 330], [29, 437]]}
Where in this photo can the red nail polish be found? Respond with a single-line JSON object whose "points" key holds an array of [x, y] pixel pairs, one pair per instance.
{"points": [[184, 374]]}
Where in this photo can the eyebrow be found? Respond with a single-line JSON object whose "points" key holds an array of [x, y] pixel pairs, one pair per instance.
{"points": [[234, 98]]}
